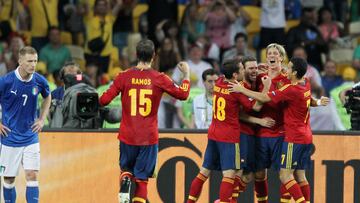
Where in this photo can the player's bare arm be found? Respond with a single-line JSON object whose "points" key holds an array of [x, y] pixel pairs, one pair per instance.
{"points": [[39, 123], [4, 130], [323, 101], [259, 96]]}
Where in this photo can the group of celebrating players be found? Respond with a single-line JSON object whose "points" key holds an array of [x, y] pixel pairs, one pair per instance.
{"points": [[260, 120]]}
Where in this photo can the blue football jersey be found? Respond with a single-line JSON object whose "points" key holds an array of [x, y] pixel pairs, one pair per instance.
{"points": [[18, 99]]}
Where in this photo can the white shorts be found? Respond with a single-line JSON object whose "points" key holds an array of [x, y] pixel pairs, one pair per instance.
{"points": [[12, 157]]}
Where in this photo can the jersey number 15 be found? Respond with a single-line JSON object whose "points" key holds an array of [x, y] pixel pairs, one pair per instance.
{"points": [[144, 106]]}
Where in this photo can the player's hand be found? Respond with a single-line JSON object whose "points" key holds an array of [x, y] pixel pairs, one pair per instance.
{"points": [[324, 101], [38, 125], [266, 80], [183, 67], [263, 68], [267, 122], [4, 130], [236, 87]]}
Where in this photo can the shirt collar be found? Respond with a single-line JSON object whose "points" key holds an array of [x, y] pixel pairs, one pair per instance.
{"points": [[17, 74]]}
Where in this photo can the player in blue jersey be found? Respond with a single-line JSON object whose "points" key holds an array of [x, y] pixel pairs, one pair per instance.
{"points": [[20, 125]]}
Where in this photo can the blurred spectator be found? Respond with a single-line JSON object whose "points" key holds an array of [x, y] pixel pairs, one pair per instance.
{"points": [[167, 58], [311, 73], [158, 11], [123, 24], [329, 79], [71, 18], [240, 48], [202, 104], [329, 29], [43, 15], [14, 13], [192, 25], [3, 69], [171, 30], [91, 70], [11, 55], [143, 25], [196, 64], [356, 60], [99, 29], [54, 54], [242, 20], [339, 8], [218, 19], [211, 50], [272, 22], [306, 34], [354, 11]]}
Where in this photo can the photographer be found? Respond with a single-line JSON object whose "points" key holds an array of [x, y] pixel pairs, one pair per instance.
{"points": [[351, 99]]}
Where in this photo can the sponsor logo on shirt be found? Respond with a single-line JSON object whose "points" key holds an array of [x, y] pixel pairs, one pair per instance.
{"points": [[13, 92]]}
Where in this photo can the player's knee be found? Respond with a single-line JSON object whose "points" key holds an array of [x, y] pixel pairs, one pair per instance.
{"points": [[260, 175], [9, 180], [285, 176], [247, 177], [31, 175], [229, 173], [300, 176], [205, 171]]}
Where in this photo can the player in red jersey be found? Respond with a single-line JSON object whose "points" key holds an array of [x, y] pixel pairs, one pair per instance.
{"points": [[248, 129], [297, 146], [141, 89], [222, 151]]}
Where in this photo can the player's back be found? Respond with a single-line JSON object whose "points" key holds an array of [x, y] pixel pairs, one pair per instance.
{"points": [[225, 126], [141, 92], [297, 113]]}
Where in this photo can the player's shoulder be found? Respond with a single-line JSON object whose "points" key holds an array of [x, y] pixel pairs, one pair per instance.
{"points": [[40, 78], [286, 87], [8, 77]]}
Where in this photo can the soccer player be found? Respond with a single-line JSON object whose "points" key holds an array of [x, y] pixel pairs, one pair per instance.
{"points": [[269, 140], [141, 89], [297, 145], [20, 126], [222, 151]]}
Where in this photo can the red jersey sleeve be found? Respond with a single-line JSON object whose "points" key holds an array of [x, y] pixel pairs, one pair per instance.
{"points": [[283, 94], [113, 90], [179, 92]]}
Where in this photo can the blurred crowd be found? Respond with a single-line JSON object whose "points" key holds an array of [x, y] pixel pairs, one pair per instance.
{"points": [[100, 36]]}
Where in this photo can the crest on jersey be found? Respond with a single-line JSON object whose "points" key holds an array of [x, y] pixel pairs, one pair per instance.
{"points": [[279, 85], [35, 91]]}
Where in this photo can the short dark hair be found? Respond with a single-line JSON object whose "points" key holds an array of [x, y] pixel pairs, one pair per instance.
{"points": [[299, 65], [210, 72], [229, 67], [246, 59], [240, 34], [145, 50]]}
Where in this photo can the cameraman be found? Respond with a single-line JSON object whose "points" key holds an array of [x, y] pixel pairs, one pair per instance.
{"points": [[350, 97]]}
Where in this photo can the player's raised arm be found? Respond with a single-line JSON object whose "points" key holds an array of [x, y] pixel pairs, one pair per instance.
{"points": [[180, 92]]}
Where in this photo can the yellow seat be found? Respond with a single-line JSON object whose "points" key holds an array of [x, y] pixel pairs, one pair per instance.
{"points": [[66, 37], [290, 24], [114, 57], [138, 10], [255, 13], [181, 9], [263, 55]]}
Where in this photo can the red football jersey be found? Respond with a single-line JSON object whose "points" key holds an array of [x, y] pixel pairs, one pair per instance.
{"points": [[297, 100], [225, 126], [246, 127], [141, 91], [273, 110]]}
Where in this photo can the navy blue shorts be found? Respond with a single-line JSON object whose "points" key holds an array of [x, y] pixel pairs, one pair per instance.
{"points": [[222, 156], [247, 152], [296, 156], [268, 150], [138, 160]]}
